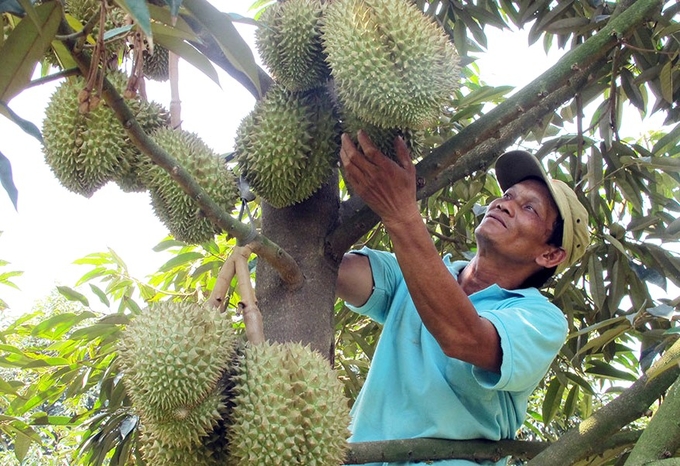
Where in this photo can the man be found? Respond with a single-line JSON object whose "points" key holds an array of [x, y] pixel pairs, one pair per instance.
{"points": [[463, 343]]}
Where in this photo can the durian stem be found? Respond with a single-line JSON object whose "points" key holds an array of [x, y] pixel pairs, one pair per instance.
{"points": [[252, 317], [175, 102], [224, 277]]}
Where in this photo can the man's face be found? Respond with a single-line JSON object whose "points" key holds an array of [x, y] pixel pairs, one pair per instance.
{"points": [[518, 225]]}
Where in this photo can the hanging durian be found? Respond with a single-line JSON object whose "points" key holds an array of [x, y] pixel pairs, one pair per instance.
{"points": [[173, 356], [176, 209], [286, 147], [289, 42], [289, 409], [391, 65], [87, 150], [156, 65]]}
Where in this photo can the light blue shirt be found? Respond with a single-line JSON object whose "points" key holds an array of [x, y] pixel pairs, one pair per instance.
{"points": [[414, 390]]}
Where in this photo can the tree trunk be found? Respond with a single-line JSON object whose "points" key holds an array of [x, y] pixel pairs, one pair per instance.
{"points": [[304, 314]]}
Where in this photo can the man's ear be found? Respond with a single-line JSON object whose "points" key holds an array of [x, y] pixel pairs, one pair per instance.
{"points": [[552, 257]]}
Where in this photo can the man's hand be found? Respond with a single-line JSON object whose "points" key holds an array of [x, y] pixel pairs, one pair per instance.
{"points": [[386, 186]]}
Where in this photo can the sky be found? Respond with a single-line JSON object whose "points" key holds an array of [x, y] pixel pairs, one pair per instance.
{"points": [[53, 227]]}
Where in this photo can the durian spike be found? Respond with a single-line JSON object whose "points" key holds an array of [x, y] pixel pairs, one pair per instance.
{"points": [[224, 277], [252, 317]]}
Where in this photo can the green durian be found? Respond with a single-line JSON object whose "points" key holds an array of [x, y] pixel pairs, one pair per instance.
{"points": [[211, 451], [151, 116], [156, 65], [289, 408], [289, 43], [391, 65], [287, 146], [384, 138], [176, 209], [83, 150], [173, 356]]}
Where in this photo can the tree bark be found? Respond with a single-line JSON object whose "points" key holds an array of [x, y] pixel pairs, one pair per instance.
{"points": [[304, 314], [661, 438]]}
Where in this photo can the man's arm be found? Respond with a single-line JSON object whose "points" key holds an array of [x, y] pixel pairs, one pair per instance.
{"points": [[355, 281], [389, 189]]}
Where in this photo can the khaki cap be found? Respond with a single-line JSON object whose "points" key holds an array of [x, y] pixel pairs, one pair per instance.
{"points": [[517, 165]]}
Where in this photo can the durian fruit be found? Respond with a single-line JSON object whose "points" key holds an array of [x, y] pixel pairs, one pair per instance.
{"points": [[211, 451], [83, 150], [176, 209], [173, 356], [151, 116], [391, 65], [286, 147], [289, 409], [87, 150], [156, 65], [289, 42], [383, 138]]}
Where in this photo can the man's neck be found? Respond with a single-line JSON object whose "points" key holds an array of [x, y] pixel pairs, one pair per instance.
{"points": [[480, 274]]}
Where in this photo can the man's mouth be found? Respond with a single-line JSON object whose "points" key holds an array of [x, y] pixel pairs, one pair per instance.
{"points": [[497, 219]]}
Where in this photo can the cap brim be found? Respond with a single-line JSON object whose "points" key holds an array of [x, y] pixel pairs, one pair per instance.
{"points": [[517, 165]]}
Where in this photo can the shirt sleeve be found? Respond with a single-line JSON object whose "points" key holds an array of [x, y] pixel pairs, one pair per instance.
{"points": [[386, 278], [531, 337]]}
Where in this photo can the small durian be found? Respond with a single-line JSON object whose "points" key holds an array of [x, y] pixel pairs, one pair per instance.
{"points": [[289, 42], [391, 65], [286, 147], [176, 209], [289, 408], [173, 356], [156, 65]]}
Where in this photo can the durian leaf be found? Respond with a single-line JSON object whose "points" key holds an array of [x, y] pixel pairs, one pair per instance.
{"points": [[180, 260], [7, 181], [24, 47], [100, 294], [162, 15], [27, 5], [159, 28], [190, 54], [167, 244], [235, 49], [27, 126], [174, 6], [72, 295], [58, 325], [139, 11]]}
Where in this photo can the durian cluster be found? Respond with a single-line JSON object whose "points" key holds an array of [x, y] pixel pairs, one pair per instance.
{"points": [[377, 65], [205, 400], [87, 150]]}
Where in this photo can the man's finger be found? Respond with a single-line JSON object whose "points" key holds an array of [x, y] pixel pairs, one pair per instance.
{"points": [[368, 147], [403, 154]]}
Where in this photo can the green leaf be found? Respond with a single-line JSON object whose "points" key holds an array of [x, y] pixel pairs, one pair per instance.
{"points": [[666, 81], [22, 443], [668, 141], [552, 400], [28, 127], [56, 326], [101, 295], [72, 295], [139, 11], [94, 331], [24, 47], [180, 260], [233, 46], [190, 54], [606, 370]]}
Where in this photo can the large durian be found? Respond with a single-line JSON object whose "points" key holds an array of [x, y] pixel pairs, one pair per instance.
{"points": [[391, 65], [176, 209], [155, 65], [173, 356], [289, 42], [289, 408], [87, 150], [286, 147]]}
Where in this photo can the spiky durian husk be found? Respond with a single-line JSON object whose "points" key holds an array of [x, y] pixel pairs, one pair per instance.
{"points": [[83, 150], [83, 10], [289, 408], [384, 138], [173, 356], [177, 210], [289, 42], [156, 65], [287, 145], [86, 151], [391, 65], [210, 451], [151, 116]]}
